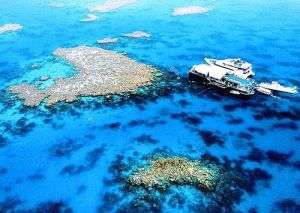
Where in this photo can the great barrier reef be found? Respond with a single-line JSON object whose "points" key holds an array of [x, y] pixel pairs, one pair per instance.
{"points": [[120, 106]]}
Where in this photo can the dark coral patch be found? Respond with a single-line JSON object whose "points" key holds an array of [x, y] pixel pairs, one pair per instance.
{"points": [[245, 135], [148, 202], [65, 149], [20, 128], [296, 164], [24, 126], [149, 123], [286, 125], [256, 129], [115, 125], [252, 210], [81, 189], [3, 141], [176, 201], [186, 118], [286, 206], [91, 159], [256, 155], [9, 204], [73, 169], [277, 157], [93, 156], [146, 139], [211, 138], [239, 105], [235, 121], [271, 156], [118, 166], [109, 202], [292, 114], [55, 207], [183, 103], [208, 114], [36, 177], [207, 208], [3, 170]]}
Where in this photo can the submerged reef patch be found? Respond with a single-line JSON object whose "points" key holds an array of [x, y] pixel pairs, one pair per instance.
{"points": [[107, 40], [163, 172], [286, 206], [211, 138], [149, 183], [111, 5], [14, 204], [100, 72], [271, 156], [66, 148], [293, 114], [91, 159], [146, 139], [20, 127], [188, 118], [181, 11], [137, 34], [90, 18], [10, 28], [2, 170], [3, 140], [50, 206], [10, 204], [56, 5]]}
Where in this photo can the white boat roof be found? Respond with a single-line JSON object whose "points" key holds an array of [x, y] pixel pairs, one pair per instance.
{"points": [[236, 62], [213, 71]]}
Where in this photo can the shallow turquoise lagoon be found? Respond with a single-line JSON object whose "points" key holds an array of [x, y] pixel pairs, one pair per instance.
{"points": [[75, 157]]}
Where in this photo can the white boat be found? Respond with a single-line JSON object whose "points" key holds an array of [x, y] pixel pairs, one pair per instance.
{"points": [[278, 87], [264, 90], [237, 67], [222, 78]]}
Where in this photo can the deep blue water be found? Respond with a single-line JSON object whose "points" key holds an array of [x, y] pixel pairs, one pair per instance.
{"points": [[72, 153]]}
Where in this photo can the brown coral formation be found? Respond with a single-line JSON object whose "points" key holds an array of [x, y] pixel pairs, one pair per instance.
{"points": [[100, 72], [165, 171]]}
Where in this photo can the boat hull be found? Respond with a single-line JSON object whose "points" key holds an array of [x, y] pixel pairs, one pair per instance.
{"points": [[281, 89], [221, 85]]}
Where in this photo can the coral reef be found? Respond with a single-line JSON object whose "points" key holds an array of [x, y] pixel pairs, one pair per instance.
{"points": [[10, 204], [100, 72], [145, 138], [44, 78], [286, 206], [10, 28], [90, 18], [91, 160], [164, 171], [137, 34], [181, 11], [229, 181], [111, 5], [56, 5], [107, 40], [211, 138]]}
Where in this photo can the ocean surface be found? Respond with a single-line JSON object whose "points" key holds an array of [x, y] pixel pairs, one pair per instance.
{"points": [[71, 156]]}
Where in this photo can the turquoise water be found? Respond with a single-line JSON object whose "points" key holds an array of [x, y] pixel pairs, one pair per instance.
{"points": [[70, 157]]}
